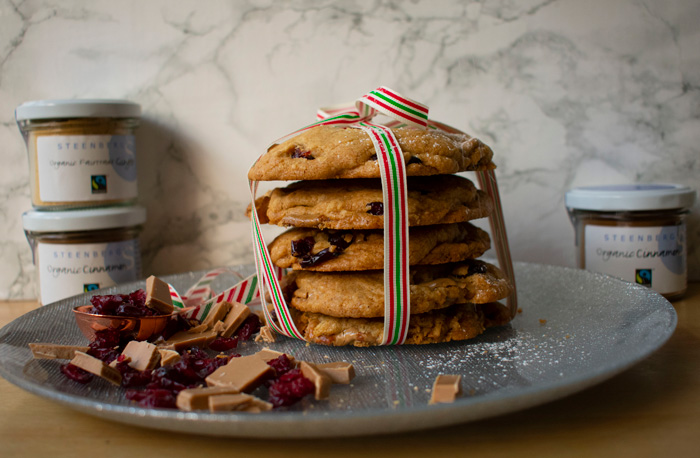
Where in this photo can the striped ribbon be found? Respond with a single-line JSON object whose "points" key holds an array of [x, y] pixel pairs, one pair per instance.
{"points": [[396, 266], [284, 324], [244, 292]]}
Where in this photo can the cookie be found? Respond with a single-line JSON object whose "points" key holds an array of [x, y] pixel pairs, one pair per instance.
{"points": [[328, 152], [458, 322], [357, 204], [361, 294], [333, 251]]}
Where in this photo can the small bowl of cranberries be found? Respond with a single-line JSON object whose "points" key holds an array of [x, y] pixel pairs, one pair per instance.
{"points": [[126, 313]]}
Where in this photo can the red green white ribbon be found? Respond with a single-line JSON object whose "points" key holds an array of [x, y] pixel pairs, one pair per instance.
{"points": [[244, 292], [397, 292]]}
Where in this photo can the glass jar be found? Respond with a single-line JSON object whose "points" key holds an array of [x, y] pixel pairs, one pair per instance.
{"points": [[634, 232], [77, 251], [81, 152]]}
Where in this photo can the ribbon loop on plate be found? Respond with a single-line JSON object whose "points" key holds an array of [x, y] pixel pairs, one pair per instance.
{"points": [[244, 292]]}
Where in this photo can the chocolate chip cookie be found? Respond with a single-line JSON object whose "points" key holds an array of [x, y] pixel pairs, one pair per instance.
{"points": [[357, 204], [333, 251], [458, 322], [361, 294], [328, 152]]}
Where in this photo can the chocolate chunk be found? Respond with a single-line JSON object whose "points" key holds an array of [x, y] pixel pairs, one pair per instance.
{"points": [[216, 313], [142, 355], [237, 314], [414, 160], [446, 388], [238, 403], [158, 295], [168, 357], [338, 372], [322, 382], [198, 398], [184, 339], [244, 373], [95, 366], [55, 351]]}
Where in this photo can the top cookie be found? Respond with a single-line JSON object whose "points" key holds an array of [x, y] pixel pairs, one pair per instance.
{"points": [[327, 152]]}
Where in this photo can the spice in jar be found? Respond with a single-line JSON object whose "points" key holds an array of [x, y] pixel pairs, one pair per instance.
{"points": [[81, 152], [77, 251], [634, 232]]}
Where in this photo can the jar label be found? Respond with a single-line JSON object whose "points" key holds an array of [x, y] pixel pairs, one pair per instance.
{"points": [[649, 256], [75, 168], [69, 269]]}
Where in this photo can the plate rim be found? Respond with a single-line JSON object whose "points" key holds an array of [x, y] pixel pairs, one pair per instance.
{"points": [[495, 403]]}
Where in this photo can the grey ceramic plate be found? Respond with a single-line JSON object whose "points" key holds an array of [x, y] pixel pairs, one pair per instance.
{"points": [[595, 327]]}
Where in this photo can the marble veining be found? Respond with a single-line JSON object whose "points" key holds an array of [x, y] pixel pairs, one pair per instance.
{"points": [[567, 93]]}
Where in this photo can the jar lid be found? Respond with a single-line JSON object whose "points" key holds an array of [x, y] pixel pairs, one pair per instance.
{"points": [[77, 108], [83, 220], [631, 197]]}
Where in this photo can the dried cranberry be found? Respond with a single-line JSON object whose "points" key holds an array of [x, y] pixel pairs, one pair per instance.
{"points": [[375, 208], [311, 260], [373, 157], [302, 247], [154, 397], [477, 267], [281, 365], [75, 373], [106, 346], [107, 338], [132, 305], [250, 327], [298, 152], [106, 305], [131, 377], [106, 355], [289, 388], [169, 378], [341, 240], [224, 343], [474, 267]]}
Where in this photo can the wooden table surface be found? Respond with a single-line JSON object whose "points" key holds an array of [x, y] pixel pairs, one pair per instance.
{"points": [[652, 409]]}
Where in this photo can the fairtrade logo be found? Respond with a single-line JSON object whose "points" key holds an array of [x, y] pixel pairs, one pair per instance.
{"points": [[99, 184], [87, 287], [643, 277]]}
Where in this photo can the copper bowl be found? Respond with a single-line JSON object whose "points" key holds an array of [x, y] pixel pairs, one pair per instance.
{"points": [[142, 327]]}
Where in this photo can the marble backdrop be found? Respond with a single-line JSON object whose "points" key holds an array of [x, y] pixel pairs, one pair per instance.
{"points": [[567, 93]]}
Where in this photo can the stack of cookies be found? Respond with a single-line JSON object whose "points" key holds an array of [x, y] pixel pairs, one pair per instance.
{"points": [[335, 248]]}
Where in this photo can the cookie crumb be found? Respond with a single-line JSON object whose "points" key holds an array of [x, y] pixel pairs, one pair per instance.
{"points": [[543, 321]]}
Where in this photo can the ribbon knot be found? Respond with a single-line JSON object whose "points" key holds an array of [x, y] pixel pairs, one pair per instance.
{"points": [[382, 100]]}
